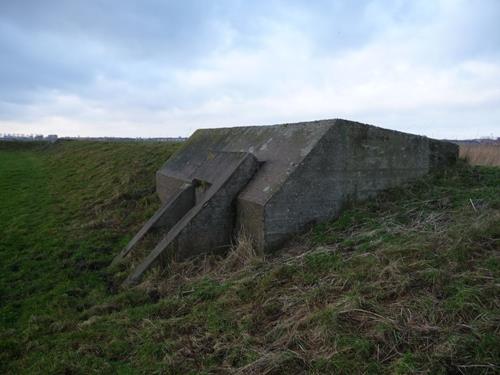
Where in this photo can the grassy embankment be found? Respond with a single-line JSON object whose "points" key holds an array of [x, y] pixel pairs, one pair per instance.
{"points": [[405, 283]]}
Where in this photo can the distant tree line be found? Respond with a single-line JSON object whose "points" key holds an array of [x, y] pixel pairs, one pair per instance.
{"points": [[28, 137], [54, 137]]}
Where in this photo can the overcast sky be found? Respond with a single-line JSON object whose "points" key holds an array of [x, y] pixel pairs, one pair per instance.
{"points": [[165, 68]]}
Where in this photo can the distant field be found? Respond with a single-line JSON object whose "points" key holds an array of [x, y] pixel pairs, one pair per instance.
{"points": [[406, 283], [481, 154]]}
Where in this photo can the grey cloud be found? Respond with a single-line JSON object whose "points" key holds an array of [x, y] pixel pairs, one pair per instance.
{"points": [[125, 58], [66, 45]]}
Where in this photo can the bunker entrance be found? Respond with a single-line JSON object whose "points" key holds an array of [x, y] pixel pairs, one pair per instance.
{"points": [[200, 189]]}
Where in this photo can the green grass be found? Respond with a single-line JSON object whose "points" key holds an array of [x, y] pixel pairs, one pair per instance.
{"points": [[65, 210], [406, 283]]}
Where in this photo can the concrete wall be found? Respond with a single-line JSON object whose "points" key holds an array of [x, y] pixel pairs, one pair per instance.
{"points": [[250, 220], [351, 162], [211, 230]]}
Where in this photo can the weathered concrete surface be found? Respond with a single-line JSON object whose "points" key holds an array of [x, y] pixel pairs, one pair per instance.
{"points": [[307, 173], [310, 170], [282, 147], [351, 162], [208, 226]]}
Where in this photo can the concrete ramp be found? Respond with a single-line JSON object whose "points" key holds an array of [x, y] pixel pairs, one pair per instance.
{"points": [[213, 207]]}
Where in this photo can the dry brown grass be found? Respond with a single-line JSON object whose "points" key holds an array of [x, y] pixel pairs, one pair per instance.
{"points": [[241, 257], [406, 284], [481, 154]]}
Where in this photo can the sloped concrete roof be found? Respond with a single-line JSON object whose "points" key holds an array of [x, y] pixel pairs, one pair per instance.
{"points": [[280, 148]]}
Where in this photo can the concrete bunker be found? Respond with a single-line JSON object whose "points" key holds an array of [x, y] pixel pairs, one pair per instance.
{"points": [[275, 181]]}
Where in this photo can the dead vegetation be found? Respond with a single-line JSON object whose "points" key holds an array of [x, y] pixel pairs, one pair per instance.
{"points": [[239, 258], [401, 285], [481, 154]]}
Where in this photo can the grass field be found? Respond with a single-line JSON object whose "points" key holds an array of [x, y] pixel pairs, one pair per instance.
{"points": [[407, 283]]}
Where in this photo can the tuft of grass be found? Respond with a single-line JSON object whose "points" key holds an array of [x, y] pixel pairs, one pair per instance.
{"points": [[405, 283]]}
